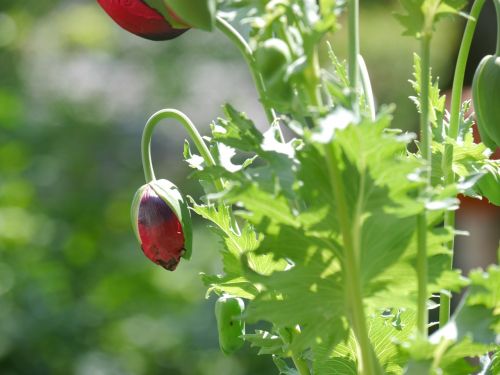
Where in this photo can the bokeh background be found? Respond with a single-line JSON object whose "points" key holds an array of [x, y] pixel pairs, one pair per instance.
{"points": [[76, 294]]}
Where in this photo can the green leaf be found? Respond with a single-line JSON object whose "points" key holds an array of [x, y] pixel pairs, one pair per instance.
{"points": [[197, 13], [235, 243], [472, 331], [266, 342], [489, 185], [283, 368], [237, 286], [436, 101], [384, 329], [492, 366], [413, 19], [294, 270], [420, 16]]}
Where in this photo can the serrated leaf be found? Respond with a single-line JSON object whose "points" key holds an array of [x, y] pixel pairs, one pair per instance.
{"points": [[420, 16], [384, 330], [266, 342], [283, 368], [436, 101]]}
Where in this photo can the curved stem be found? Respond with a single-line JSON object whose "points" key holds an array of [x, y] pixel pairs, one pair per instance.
{"points": [[426, 141], [367, 87], [353, 32], [247, 53], [192, 132], [447, 162]]}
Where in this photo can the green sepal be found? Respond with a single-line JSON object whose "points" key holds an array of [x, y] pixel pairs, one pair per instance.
{"points": [[273, 58], [231, 328], [134, 210], [176, 201], [197, 13], [486, 96], [161, 8]]}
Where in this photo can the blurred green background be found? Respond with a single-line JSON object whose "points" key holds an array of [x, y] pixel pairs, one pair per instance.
{"points": [[76, 294]]}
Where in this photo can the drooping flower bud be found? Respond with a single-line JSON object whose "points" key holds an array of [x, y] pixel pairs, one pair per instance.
{"points": [[137, 17], [162, 223]]}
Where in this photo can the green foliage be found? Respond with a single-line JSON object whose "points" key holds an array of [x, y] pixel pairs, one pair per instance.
{"points": [[299, 217], [472, 331], [475, 174], [196, 13], [299, 227], [421, 16]]}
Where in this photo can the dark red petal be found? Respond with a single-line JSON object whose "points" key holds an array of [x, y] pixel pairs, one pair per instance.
{"points": [[138, 18], [160, 231]]}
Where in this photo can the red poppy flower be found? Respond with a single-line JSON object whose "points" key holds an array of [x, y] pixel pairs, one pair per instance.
{"points": [[140, 19]]}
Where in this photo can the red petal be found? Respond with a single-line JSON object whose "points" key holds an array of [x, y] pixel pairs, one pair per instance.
{"points": [[138, 18]]}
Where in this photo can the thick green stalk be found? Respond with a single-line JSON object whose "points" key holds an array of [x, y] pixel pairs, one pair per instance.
{"points": [[353, 32], [425, 149], [447, 162], [351, 271], [300, 365], [247, 53], [422, 314], [192, 132]]}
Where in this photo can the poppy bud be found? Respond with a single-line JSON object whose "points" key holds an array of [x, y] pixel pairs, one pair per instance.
{"points": [[140, 19], [231, 329], [162, 223]]}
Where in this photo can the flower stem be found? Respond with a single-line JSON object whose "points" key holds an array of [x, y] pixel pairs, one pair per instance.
{"points": [[425, 149], [353, 34], [247, 53], [447, 162], [192, 132]]}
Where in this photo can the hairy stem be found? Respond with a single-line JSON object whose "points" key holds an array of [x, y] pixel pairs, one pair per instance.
{"points": [[353, 32], [367, 87], [192, 132], [247, 53], [351, 271], [447, 162], [425, 149]]}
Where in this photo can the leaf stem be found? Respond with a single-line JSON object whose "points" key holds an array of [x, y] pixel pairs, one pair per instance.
{"points": [[447, 162], [192, 132], [353, 43], [351, 271], [426, 141]]}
